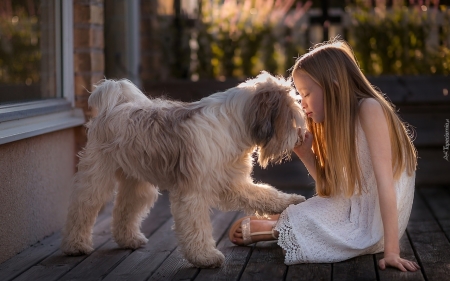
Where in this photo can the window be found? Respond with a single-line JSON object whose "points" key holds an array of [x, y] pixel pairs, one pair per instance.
{"points": [[36, 68], [28, 50]]}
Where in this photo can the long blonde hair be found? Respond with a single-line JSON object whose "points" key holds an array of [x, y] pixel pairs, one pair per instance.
{"points": [[333, 66]]}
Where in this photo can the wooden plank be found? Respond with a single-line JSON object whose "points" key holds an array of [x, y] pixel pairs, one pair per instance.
{"points": [[235, 261], [98, 264], [266, 263], [406, 252], [445, 224], [425, 89], [38, 252], [429, 128], [159, 214], [109, 256], [310, 271], [391, 86], [58, 264], [178, 268], [420, 212], [175, 268], [145, 261], [29, 257], [359, 268], [433, 169], [438, 199], [429, 242]]}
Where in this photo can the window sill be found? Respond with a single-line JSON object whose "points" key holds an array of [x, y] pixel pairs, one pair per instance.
{"points": [[24, 120]]}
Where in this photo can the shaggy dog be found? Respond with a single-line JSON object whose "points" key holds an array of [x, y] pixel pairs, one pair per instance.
{"points": [[200, 152]]}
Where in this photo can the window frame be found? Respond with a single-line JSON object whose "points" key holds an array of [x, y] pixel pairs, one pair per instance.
{"points": [[27, 119]]}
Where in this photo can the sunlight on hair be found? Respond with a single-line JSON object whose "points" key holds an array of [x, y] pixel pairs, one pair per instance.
{"points": [[333, 66]]}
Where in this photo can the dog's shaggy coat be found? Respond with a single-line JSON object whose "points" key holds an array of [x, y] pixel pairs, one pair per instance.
{"points": [[200, 152]]}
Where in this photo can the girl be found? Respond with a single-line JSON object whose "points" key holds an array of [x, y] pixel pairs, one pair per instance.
{"points": [[363, 162]]}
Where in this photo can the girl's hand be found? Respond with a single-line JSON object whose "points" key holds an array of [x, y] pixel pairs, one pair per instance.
{"points": [[304, 148], [394, 260]]}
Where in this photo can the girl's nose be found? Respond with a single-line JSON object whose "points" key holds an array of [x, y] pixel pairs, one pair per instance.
{"points": [[303, 104]]}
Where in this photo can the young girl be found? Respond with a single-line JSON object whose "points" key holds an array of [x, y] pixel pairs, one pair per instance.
{"points": [[363, 162]]}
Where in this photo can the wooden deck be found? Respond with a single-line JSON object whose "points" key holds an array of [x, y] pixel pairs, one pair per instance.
{"points": [[425, 241]]}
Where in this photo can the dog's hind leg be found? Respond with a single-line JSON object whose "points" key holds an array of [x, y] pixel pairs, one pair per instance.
{"points": [[133, 202], [194, 230], [93, 186]]}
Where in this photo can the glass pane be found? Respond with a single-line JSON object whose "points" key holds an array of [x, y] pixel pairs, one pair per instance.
{"points": [[27, 50]]}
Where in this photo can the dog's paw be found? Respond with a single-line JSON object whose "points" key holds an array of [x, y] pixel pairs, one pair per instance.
{"points": [[278, 206], [134, 242], [207, 259], [296, 198], [76, 249]]}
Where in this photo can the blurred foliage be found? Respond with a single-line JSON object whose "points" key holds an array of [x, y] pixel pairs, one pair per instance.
{"points": [[398, 40], [240, 38], [20, 52]]}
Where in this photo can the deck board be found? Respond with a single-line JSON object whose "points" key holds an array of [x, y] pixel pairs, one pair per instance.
{"points": [[30, 259], [359, 268], [175, 267], [310, 271], [145, 261], [266, 262], [235, 260], [426, 241], [58, 264], [438, 200], [430, 243]]}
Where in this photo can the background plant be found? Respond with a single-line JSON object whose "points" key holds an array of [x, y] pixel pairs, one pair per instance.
{"points": [[20, 52], [396, 40], [240, 38]]}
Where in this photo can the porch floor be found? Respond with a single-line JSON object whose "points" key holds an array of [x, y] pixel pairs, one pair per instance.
{"points": [[425, 241]]}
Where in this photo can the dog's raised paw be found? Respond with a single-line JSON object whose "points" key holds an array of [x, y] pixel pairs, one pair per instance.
{"points": [[295, 199]]}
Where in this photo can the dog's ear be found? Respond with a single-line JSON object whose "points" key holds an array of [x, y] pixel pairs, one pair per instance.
{"points": [[263, 110], [272, 128]]}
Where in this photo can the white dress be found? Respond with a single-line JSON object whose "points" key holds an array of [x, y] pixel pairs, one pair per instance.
{"points": [[324, 230]]}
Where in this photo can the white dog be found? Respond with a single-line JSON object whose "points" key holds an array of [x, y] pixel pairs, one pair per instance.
{"points": [[200, 152]]}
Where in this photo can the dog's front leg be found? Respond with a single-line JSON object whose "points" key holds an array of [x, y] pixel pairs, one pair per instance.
{"points": [[264, 199], [194, 230]]}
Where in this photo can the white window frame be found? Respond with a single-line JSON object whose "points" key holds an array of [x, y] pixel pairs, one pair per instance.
{"points": [[28, 119]]}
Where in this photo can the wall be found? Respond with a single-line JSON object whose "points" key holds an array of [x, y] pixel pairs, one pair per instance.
{"points": [[36, 173], [35, 179], [89, 58]]}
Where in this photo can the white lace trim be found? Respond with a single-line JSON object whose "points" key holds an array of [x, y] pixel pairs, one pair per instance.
{"points": [[287, 239]]}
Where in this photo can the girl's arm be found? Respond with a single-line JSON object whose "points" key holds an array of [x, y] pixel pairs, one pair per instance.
{"points": [[374, 124], [305, 153]]}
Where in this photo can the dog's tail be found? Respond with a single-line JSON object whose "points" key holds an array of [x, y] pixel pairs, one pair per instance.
{"points": [[110, 93]]}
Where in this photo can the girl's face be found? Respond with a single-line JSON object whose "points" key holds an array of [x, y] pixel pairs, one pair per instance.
{"points": [[312, 96]]}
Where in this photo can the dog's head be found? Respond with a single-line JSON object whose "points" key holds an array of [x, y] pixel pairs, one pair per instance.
{"points": [[273, 117]]}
